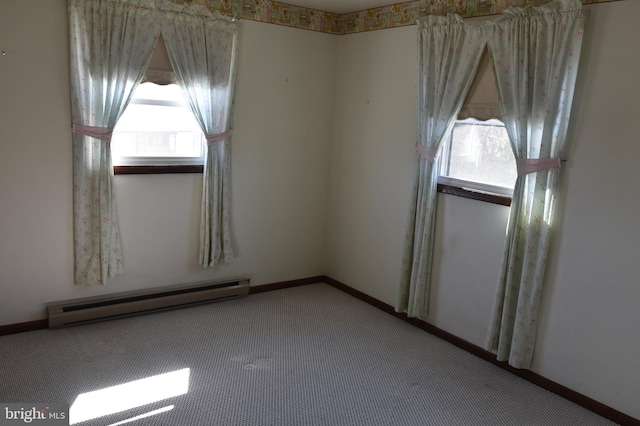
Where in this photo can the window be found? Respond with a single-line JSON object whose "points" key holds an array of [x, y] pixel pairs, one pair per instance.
{"points": [[477, 157], [157, 129]]}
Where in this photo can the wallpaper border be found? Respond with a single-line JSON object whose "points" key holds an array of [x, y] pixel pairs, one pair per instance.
{"points": [[392, 16]]}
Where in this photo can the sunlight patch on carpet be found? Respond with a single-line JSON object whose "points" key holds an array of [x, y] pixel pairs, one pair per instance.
{"points": [[115, 399]]}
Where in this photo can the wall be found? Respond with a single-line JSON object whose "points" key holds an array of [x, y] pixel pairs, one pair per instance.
{"points": [[280, 155], [589, 315], [373, 159]]}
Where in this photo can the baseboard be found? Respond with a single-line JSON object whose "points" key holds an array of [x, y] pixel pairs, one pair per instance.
{"points": [[23, 326], [569, 394], [286, 284]]}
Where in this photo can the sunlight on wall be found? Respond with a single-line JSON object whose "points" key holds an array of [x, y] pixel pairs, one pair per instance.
{"points": [[115, 399]]}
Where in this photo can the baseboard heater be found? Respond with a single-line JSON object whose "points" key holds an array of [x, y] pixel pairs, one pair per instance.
{"points": [[99, 308]]}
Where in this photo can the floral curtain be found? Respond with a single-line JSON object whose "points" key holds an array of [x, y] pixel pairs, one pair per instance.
{"points": [[202, 51], [449, 53], [111, 44], [536, 53]]}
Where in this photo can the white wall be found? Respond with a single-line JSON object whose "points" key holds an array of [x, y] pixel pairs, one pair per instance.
{"points": [[373, 159], [589, 316], [280, 157], [35, 159]]}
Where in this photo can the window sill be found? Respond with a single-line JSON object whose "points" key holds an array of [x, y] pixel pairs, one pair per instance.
{"points": [[156, 170], [474, 195]]}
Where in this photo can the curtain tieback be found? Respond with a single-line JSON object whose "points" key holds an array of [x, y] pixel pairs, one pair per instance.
{"points": [[102, 133], [526, 166], [428, 153], [218, 137]]}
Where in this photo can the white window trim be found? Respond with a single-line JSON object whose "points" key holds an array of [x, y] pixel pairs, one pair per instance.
{"points": [[158, 161]]}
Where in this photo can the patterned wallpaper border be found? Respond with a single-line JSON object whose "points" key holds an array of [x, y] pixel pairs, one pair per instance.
{"points": [[392, 16]]}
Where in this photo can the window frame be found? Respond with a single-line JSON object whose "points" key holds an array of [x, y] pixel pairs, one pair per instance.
{"points": [[159, 164], [467, 188]]}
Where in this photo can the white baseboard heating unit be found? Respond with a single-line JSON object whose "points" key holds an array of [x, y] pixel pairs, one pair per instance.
{"points": [[117, 305]]}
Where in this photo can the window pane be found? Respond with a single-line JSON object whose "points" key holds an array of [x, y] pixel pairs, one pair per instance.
{"points": [[480, 152], [149, 129]]}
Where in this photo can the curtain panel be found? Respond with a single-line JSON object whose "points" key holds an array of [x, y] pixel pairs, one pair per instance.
{"points": [[202, 52], [536, 54], [111, 44], [449, 54]]}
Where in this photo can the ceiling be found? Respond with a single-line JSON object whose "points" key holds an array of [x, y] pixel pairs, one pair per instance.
{"points": [[341, 6]]}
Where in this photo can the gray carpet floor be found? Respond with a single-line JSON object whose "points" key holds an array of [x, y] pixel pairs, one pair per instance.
{"points": [[308, 355]]}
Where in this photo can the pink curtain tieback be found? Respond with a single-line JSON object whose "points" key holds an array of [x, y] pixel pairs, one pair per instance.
{"points": [[102, 133], [526, 166], [428, 153], [218, 137]]}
